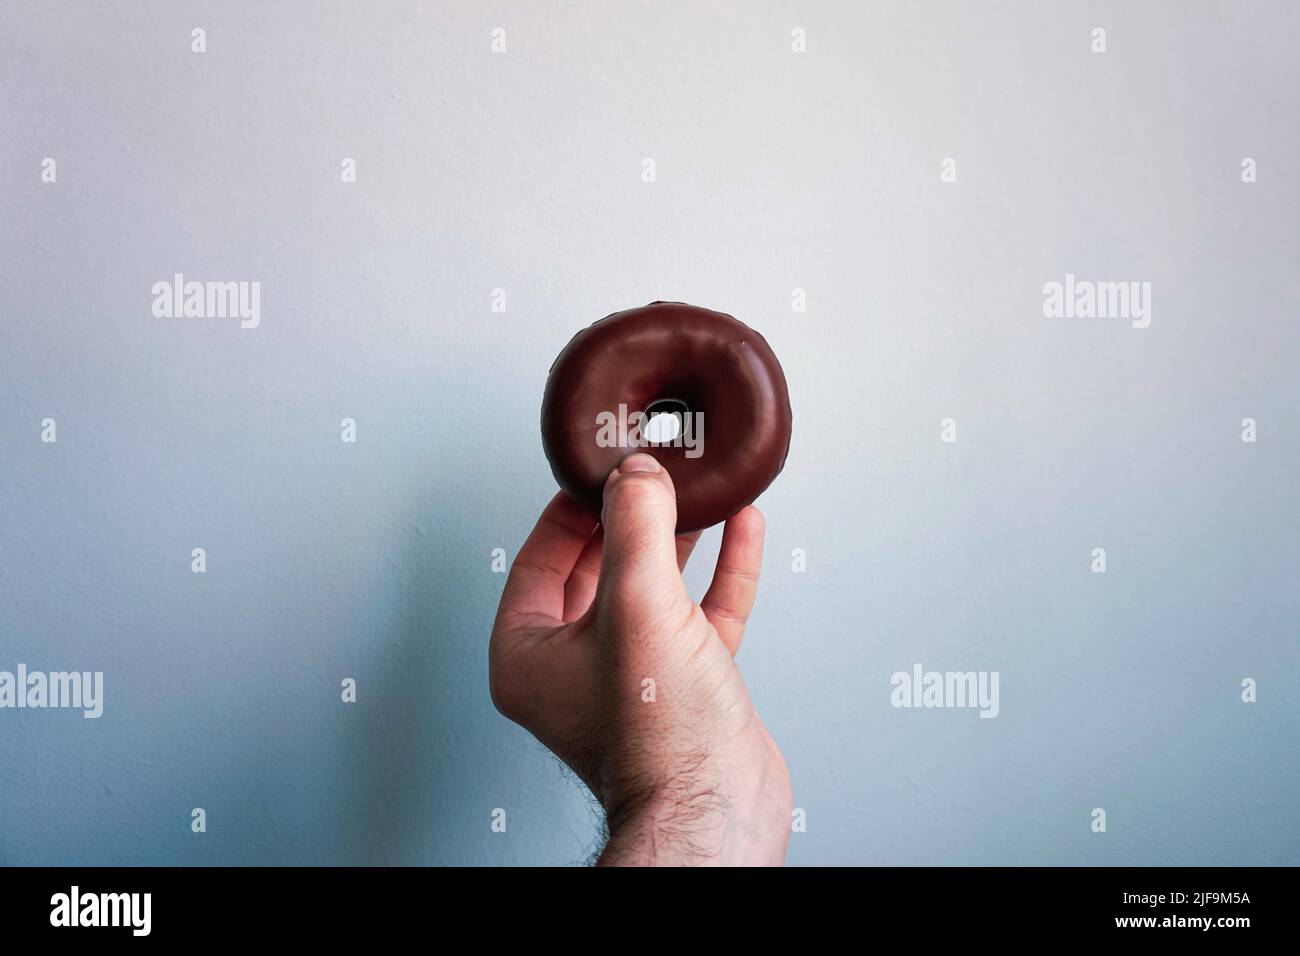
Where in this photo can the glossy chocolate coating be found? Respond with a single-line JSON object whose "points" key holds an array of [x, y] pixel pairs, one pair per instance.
{"points": [[713, 363]]}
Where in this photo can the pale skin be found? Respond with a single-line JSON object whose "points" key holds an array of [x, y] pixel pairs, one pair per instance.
{"points": [[593, 612]]}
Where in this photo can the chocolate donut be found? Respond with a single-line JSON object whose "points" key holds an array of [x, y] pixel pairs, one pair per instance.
{"points": [[727, 429]]}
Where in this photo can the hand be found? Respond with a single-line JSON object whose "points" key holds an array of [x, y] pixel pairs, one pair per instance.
{"points": [[600, 652]]}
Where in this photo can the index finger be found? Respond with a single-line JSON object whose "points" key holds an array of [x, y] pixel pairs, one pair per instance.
{"points": [[534, 591]]}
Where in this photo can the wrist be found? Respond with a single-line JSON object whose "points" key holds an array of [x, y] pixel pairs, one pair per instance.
{"points": [[699, 821]]}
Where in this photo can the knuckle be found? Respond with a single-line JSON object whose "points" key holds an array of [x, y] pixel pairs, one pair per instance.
{"points": [[504, 691], [637, 495], [636, 488]]}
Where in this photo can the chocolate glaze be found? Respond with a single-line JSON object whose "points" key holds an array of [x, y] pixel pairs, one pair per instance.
{"points": [[715, 364]]}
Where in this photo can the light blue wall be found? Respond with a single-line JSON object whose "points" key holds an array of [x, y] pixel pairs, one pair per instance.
{"points": [[775, 170]]}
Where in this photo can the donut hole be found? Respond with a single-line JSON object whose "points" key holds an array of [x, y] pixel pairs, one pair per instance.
{"points": [[665, 420]]}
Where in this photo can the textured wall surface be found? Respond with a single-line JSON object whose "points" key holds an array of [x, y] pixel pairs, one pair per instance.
{"points": [[775, 169]]}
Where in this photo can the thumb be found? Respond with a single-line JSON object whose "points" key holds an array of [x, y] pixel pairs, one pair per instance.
{"points": [[638, 568]]}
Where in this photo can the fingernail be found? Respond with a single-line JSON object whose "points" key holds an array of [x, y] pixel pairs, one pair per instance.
{"points": [[638, 462]]}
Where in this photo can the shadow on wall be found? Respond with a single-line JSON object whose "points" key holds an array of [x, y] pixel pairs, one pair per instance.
{"points": [[399, 756]]}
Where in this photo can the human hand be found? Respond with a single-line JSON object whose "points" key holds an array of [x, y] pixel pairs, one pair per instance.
{"points": [[599, 651]]}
